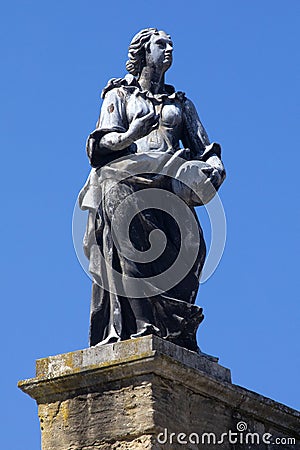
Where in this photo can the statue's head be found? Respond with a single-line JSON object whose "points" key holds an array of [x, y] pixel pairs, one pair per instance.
{"points": [[149, 47]]}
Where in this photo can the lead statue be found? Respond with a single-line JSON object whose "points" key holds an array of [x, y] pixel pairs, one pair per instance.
{"points": [[152, 163]]}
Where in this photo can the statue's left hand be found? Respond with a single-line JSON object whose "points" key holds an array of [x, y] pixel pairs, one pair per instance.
{"points": [[214, 175]]}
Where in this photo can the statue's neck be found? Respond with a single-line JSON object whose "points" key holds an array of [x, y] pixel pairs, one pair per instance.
{"points": [[151, 79]]}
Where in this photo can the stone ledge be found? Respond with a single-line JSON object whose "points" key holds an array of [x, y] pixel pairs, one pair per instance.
{"points": [[125, 352], [66, 375]]}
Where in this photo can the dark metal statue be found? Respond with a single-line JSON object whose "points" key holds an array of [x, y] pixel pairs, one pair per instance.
{"points": [[152, 163]]}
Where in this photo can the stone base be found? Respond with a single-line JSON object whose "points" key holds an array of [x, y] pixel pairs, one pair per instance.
{"points": [[151, 394]]}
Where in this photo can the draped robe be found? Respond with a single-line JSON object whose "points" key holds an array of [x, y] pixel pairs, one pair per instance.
{"points": [[135, 297]]}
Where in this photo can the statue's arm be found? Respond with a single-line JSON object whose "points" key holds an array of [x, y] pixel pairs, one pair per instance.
{"points": [[113, 113], [113, 133], [196, 139], [139, 127], [194, 135]]}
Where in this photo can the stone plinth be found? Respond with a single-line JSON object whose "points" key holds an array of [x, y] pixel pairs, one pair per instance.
{"points": [[135, 394]]}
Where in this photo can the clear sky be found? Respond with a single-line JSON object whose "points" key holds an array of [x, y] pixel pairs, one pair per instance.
{"points": [[238, 61]]}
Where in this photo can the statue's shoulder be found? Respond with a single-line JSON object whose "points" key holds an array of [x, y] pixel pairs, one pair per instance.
{"points": [[172, 93], [129, 81], [181, 96], [130, 84]]}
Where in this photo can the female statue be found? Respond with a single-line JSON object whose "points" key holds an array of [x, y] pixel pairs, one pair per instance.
{"points": [[143, 238]]}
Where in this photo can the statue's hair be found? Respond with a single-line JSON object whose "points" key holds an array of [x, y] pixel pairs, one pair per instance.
{"points": [[136, 50]]}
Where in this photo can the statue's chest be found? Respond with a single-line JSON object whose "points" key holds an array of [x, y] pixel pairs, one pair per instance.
{"points": [[169, 111]]}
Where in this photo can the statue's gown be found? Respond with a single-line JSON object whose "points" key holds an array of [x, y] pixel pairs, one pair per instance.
{"points": [[134, 292]]}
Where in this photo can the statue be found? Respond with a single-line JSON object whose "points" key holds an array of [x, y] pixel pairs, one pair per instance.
{"points": [[152, 163]]}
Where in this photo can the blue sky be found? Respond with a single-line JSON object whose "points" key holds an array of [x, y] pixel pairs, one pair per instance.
{"points": [[238, 62]]}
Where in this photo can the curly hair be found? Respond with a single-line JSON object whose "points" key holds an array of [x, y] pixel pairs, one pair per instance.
{"points": [[136, 50]]}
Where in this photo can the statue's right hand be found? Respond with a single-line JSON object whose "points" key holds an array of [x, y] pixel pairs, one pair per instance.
{"points": [[142, 126], [139, 127]]}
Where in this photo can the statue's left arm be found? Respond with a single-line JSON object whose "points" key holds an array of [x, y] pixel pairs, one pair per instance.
{"points": [[195, 138]]}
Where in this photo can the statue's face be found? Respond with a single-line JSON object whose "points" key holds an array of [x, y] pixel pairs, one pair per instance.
{"points": [[159, 51]]}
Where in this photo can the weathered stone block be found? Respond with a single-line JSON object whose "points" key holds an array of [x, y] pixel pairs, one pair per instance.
{"points": [[150, 394]]}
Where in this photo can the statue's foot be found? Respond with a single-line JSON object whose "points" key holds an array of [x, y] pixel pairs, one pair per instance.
{"points": [[145, 331]]}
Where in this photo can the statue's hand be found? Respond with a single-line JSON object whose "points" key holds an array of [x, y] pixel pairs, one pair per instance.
{"points": [[139, 127], [214, 175], [142, 126]]}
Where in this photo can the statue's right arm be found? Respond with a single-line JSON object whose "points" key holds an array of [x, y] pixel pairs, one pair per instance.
{"points": [[139, 127], [115, 131]]}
